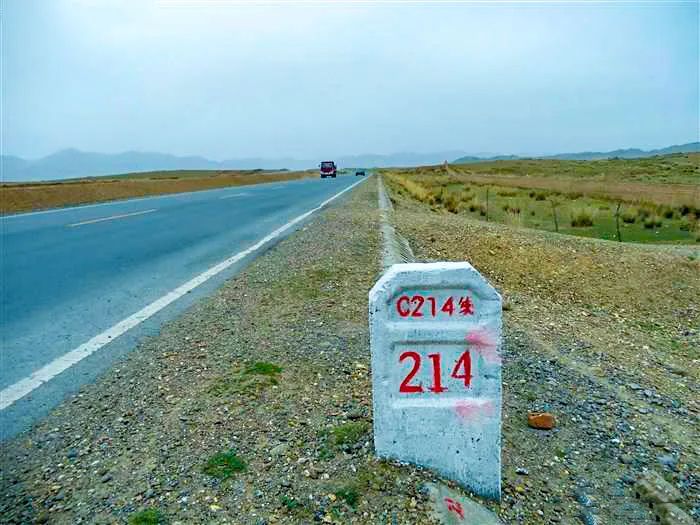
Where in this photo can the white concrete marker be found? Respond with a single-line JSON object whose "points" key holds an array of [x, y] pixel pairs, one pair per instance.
{"points": [[24, 386], [435, 332]]}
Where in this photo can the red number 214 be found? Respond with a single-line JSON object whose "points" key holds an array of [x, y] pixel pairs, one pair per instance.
{"points": [[462, 370]]}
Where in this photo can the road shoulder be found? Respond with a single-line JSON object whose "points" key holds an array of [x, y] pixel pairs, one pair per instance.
{"points": [[272, 371]]}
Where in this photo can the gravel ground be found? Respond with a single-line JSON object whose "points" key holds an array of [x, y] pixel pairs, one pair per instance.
{"points": [[603, 335], [255, 406], [271, 373]]}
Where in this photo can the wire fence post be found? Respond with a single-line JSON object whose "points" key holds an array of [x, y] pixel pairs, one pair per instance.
{"points": [[487, 203]]}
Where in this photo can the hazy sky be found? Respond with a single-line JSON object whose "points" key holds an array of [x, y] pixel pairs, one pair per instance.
{"points": [[310, 79]]}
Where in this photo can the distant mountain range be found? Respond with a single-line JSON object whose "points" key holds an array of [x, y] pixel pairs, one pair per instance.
{"points": [[72, 163], [630, 153]]}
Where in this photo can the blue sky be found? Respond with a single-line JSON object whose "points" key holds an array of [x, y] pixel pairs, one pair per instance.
{"points": [[310, 79]]}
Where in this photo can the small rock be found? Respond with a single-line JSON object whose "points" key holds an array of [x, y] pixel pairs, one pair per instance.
{"points": [[668, 513], [654, 489], [106, 478], [668, 461], [279, 450], [627, 479], [522, 471], [657, 442], [626, 459], [541, 420]]}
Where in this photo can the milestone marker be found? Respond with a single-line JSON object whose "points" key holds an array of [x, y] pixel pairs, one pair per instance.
{"points": [[435, 333]]}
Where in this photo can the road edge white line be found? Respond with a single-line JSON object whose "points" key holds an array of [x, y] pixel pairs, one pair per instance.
{"points": [[21, 388]]}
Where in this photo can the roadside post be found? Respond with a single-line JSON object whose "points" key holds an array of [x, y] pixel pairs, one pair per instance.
{"points": [[435, 333]]}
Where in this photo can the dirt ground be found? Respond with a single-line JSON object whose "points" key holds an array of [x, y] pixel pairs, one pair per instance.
{"points": [[255, 406]]}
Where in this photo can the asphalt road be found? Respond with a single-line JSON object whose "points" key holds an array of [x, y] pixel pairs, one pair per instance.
{"points": [[71, 277]]}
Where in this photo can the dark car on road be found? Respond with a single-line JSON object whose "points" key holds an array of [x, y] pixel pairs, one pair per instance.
{"points": [[328, 169], [360, 173]]}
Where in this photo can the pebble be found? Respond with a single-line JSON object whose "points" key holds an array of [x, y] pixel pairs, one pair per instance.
{"points": [[668, 461], [279, 450], [540, 420], [626, 459]]}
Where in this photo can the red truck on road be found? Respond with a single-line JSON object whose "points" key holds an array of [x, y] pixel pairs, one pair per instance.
{"points": [[328, 169]]}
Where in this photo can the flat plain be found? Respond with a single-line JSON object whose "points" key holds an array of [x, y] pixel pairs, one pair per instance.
{"points": [[19, 197], [652, 200]]}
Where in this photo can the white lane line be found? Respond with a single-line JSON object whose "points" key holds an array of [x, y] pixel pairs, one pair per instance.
{"points": [[232, 196], [24, 386], [111, 218]]}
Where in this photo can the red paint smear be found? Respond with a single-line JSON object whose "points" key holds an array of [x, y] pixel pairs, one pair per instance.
{"points": [[455, 506], [483, 341], [469, 410]]}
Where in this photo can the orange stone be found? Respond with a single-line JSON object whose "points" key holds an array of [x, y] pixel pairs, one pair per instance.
{"points": [[541, 420]]}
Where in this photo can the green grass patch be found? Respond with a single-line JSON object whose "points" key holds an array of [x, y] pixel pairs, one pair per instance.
{"points": [[147, 517], [250, 381], [378, 477], [264, 369], [341, 437], [224, 465], [348, 494], [289, 503], [349, 433]]}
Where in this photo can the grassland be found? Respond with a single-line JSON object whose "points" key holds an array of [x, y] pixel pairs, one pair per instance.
{"points": [[643, 200], [601, 334], [18, 197]]}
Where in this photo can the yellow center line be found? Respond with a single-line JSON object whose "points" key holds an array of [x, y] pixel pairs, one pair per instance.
{"points": [[111, 218]]}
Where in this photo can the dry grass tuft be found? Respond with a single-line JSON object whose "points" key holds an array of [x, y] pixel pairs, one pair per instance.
{"points": [[582, 218], [414, 189]]}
